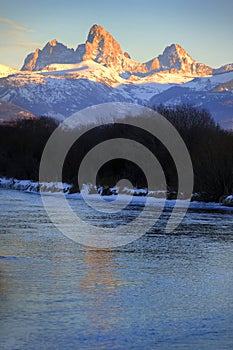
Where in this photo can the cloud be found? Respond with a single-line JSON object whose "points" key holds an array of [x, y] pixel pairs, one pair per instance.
{"points": [[15, 41], [14, 34], [14, 25], [29, 44], [24, 44]]}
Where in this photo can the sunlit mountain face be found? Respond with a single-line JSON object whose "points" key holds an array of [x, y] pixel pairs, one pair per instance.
{"points": [[57, 81]]}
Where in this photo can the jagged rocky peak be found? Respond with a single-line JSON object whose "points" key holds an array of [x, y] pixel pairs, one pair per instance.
{"points": [[53, 42], [102, 47], [176, 59], [52, 52], [174, 56], [54, 47]]}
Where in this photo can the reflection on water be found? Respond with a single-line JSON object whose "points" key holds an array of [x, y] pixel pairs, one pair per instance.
{"points": [[160, 292], [100, 271], [100, 287]]}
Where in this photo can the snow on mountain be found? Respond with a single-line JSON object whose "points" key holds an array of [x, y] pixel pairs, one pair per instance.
{"points": [[208, 93], [55, 95], [62, 89], [209, 83], [85, 70], [5, 71]]}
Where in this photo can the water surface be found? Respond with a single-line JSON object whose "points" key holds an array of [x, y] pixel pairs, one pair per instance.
{"points": [[160, 292]]}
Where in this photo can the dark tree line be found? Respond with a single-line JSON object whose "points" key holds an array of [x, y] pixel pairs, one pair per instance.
{"points": [[21, 147], [210, 147]]}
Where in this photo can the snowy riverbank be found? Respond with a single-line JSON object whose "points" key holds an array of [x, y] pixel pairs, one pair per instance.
{"points": [[34, 186], [58, 187]]}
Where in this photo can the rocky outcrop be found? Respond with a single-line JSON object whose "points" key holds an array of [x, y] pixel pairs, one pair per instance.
{"points": [[102, 48], [176, 60], [224, 69], [52, 52]]}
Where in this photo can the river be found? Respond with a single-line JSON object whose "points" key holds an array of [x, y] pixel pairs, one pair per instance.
{"points": [[163, 291]]}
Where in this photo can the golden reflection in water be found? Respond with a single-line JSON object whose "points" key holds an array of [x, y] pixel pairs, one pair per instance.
{"points": [[101, 288], [4, 282]]}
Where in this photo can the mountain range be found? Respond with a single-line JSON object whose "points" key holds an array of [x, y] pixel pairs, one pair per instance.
{"points": [[57, 81]]}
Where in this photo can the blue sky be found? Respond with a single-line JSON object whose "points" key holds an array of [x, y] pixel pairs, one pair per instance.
{"points": [[143, 28]]}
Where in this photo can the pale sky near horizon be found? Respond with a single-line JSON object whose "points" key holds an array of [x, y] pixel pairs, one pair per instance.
{"points": [[143, 28]]}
